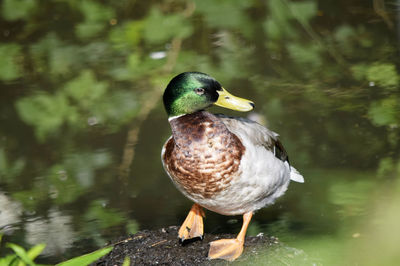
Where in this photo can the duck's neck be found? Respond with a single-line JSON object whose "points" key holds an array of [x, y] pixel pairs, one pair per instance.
{"points": [[197, 128]]}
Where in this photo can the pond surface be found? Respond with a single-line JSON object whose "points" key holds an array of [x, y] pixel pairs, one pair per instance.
{"points": [[82, 122]]}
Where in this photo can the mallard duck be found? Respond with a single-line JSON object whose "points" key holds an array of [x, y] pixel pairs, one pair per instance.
{"points": [[228, 165]]}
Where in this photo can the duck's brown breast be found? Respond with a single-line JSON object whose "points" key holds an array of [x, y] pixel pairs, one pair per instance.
{"points": [[203, 156]]}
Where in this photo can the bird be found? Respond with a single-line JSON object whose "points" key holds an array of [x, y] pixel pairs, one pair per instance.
{"points": [[228, 165]]}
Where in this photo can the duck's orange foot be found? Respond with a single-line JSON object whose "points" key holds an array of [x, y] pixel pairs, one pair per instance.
{"points": [[227, 249], [230, 249], [192, 227]]}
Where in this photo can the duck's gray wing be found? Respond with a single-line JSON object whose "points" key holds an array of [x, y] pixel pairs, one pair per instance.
{"points": [[260, 135]]}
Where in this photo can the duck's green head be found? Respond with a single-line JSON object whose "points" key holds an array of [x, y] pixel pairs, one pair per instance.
{"points": [[189, 92]]}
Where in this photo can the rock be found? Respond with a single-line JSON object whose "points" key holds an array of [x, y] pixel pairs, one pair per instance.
{"points": [[161, 247]]}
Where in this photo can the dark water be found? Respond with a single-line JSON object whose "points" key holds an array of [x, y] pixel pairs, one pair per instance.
{"points": [[82, 122]]}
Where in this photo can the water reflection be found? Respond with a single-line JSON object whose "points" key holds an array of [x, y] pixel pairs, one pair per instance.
{"points": [[10, 214], [55, 230], [82, 125]]}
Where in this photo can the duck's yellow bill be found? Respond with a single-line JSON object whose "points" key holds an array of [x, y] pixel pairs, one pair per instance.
{"points": [[229, 101]]}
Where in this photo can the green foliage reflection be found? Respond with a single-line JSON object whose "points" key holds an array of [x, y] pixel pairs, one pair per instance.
{"points": [[9, 68]]}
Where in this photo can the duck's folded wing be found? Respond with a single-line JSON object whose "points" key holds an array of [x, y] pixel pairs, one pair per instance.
{"points": [[262, 136]]}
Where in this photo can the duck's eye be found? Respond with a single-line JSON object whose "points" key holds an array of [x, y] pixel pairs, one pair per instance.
{"points": [[199, 91]]}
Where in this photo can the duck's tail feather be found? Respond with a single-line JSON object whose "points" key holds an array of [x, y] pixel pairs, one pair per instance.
{"points": [[295, 175]]}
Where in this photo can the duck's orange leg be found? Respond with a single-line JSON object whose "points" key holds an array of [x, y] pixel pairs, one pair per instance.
{"points": [[192, 227], [230, 249]]}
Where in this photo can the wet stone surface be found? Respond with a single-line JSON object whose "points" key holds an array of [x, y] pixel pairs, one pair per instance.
{"points": [[161, 247]]}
